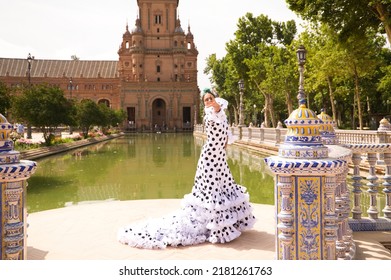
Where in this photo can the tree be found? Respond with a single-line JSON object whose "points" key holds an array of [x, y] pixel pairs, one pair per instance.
{"points": [[347, 17], [5, 103], [224, 80], [44, 107], [261, 56], [384, 85], [110, 117], [345, 70], [89, 114], [326, 63]]}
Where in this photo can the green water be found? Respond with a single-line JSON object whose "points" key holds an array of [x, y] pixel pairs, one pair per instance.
{"points": [[137, 166]]}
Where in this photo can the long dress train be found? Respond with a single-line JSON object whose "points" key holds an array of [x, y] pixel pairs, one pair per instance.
{"points": [[217, 210]]}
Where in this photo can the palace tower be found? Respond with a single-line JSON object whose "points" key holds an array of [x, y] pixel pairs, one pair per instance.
{"points": [[158, 68]]}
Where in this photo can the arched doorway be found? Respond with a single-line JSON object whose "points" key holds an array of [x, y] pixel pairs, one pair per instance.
{"points": [[159, 121]]}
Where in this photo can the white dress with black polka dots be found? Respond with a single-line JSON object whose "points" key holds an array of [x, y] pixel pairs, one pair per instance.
{"points": [[217, 210]]}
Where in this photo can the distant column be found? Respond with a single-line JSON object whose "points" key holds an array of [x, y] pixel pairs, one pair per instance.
{"points": [[13, 181]]}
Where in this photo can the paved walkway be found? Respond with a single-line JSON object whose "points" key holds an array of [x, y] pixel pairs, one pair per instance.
{"points": [[88, 232]]}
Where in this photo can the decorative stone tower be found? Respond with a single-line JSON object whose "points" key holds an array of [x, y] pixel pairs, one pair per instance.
{"points": [[327, 129], [158, 69], [13, 175], [305, 191]]}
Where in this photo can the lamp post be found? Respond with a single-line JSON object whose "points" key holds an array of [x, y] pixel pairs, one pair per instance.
{"points": [[241, 88], [301, 56], [30, 58], [70, 87]]}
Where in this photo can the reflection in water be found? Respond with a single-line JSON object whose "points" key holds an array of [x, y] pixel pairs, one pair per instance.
{"points": [[159, 149], [131, 148], [187, 146], [137, 166]]}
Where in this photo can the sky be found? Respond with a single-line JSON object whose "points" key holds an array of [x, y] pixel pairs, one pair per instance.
{"points": [[93, 29]]}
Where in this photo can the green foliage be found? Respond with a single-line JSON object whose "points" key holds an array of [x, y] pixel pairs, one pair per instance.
{"points": [[44, 107], [347, 17], [346, 71], [261, 55], [89, 114], [338, 72], [5, 103]]}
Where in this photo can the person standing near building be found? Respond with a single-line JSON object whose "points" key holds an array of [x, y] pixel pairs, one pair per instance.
{"points": [[20, 129], [217, 210]]}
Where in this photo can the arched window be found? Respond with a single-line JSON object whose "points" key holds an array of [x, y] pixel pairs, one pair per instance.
{"points": [[104, 101]]}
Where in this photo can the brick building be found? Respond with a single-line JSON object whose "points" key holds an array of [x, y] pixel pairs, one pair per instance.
{"points": [[154, 79]]}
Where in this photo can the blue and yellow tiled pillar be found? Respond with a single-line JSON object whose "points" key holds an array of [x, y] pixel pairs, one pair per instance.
{"points": [[305, 184], [13, 181]]}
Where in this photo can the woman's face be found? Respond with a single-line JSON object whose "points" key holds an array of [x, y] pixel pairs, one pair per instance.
{"points": [[208, 99]]}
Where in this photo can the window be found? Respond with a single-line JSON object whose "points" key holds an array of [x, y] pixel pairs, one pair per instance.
{"points": [[158, 68], [158, 19]]}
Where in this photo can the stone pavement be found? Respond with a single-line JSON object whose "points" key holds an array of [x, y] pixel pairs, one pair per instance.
{"points": [[88, 232]]}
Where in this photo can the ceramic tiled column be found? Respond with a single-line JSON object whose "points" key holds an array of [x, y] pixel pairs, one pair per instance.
{"points": [[13, 181], [305, 185]]}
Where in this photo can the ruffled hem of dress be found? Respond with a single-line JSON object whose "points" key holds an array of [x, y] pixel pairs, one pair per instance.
{"points": [[237, 213], [188, 226], [222, 202], [173, 230]]}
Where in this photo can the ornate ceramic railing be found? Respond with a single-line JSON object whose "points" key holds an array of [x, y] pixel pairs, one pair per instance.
{"points": [[277, 135], [377, 157], [369, 175], [363, 136]]}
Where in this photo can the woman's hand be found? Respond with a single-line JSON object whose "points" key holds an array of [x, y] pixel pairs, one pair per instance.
{"points": [[216, 106]]}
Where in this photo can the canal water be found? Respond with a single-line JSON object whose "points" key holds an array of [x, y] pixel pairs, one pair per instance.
{"points": [[137, 166]]}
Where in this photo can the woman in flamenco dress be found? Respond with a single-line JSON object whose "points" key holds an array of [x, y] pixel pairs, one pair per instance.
{"points": [[217, 210]]}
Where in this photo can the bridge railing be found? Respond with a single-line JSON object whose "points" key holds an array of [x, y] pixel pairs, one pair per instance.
{"points": [[369, 175]]}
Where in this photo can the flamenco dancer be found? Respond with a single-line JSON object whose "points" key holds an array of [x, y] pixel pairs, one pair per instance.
{"points": [[217, 210]]}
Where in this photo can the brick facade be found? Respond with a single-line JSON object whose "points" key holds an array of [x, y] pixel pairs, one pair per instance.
{"points": [[154, 79]]}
